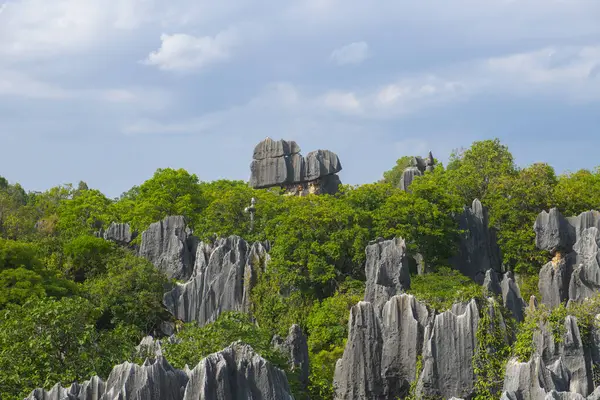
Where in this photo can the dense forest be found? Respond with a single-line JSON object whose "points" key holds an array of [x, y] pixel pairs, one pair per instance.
{"points": [[72, 305]]}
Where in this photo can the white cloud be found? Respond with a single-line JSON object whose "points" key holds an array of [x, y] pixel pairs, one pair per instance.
{"points": [[182, 52], [345, 102], [16, 84], [353, 53]]}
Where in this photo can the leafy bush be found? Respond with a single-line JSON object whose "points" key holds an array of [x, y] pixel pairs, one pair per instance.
{"points": [[440, 290]]}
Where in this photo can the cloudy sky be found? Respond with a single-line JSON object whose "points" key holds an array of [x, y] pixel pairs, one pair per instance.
{"points": [[107, 91]]}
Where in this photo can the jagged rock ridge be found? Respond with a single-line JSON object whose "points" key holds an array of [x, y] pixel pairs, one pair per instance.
{"points": [[223, 276], [235, 373], [574, 272], [478, 248], [280, 164], [170, 246]]}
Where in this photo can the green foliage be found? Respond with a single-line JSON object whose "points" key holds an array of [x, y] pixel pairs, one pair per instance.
{"points": [[578, 192], [426, 229], [198, 342], [22, 275], [328, 320], [168, 192], [46, 341], [472, 171], [87, 257], [131, 292], [84, 213], [515, 200], [322, 368], [412, 390], [492, 352], [394, 175], [440, 290]]}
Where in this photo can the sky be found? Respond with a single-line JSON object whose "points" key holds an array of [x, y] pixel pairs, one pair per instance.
{"points": [[108, 91]]}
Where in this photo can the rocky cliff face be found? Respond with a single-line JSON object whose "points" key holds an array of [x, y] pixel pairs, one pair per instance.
{"points": [[418, 166], [574, 272], [386, 269], [235, 373], [478, 249], [169, 245], [222, 278], [280, 164], [558, 368], [119, 233]]}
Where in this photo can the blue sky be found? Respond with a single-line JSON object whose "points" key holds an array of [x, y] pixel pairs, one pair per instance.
{"points": [[107, 91]]}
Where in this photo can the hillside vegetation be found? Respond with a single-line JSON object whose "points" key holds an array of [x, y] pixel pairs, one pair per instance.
{"points": [[72, 305]]}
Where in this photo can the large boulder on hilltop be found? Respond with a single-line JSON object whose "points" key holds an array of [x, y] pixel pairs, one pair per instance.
{"points": [[386, 269], [168, 245], [235, 373], [321, 163], [270, 148], [478, 248], [408, 176], [223, 276], [280, 164]]}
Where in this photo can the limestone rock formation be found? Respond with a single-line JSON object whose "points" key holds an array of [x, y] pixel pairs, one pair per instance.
{"points": [[295, 347], [574, 272], [169, 245], [448, 353], [223, 275], [383, 349], [478, 249], [235, 373], [417, 167], [119, 233], [511, 297], [386, 269], [491, 284], [279, 164]]}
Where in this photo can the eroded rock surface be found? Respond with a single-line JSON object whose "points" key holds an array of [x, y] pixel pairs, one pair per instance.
{"points": [[295, 346], [119, 233], [574, 272], [280, 164], [169, 245], [235, 373], [478, 249], [223, 276], [386, 269]]}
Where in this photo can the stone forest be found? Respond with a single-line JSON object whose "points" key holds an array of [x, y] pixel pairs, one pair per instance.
{"points": [[473, 280]]}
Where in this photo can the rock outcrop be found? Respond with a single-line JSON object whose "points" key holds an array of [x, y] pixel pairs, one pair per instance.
{"points": [[558, 368], [478, 249], [380, 359], [511, 297], [417, 167], [295, 347], [386, 269], [222, 278], [280, 164], [448, 353], [169, 245], [235, 373], [119, 233], [574, 272]]}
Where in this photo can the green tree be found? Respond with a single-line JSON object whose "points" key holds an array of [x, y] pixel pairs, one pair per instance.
{"points": [[578, 192], [47, 341], [87, 257], [514, 202], [394, 175], [472, 171], [84, 213], [131, 292], [168, 192]]}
